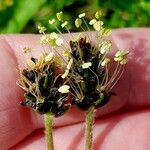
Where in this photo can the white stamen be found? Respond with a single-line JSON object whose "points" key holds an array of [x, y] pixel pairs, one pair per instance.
{"points": [[64, 89], [60, 16], [64, 24], [52, 21], [53, 35], [69, 63], [93, 21], [98, 25], [59, 42], [86, 65], [105, 62], [105, 46], [78, 22], [49, 57], [43, 39], [65, 74], [81, 15], [42, 29]]}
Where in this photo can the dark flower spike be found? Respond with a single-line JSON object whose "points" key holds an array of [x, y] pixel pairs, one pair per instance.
{"points": [[90, 65], [88, 72], [44, 88]]}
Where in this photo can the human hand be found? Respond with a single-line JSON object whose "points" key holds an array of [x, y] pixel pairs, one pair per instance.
{"points": [[122, 124]]}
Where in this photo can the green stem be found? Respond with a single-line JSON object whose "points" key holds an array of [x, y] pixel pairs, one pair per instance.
{"points": [[89, 127], [48, 131]]}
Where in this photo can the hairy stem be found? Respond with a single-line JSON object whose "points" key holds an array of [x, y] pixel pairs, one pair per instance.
{"points": [[89, 127], [48, 131]]}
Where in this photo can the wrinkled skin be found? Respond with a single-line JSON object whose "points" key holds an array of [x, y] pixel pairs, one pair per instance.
{"points": [[124, 123]]}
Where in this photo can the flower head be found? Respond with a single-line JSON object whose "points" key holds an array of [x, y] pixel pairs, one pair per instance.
{"points": [[43, 90]]}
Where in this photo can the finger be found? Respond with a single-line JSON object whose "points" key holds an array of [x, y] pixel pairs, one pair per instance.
{"points": [[122, 131]]}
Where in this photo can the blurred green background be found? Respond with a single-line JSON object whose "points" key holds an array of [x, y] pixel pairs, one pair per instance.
{"points": [[22, 16]]}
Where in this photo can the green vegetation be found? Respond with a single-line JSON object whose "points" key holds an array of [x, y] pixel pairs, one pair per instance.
{"points": [[24, 15]]}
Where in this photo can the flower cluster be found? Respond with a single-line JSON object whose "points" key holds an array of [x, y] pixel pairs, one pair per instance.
{"points": [[45, 91], [82, 79]]}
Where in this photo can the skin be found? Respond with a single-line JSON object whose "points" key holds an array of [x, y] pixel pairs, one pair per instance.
{"points": [[124, 123]]}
